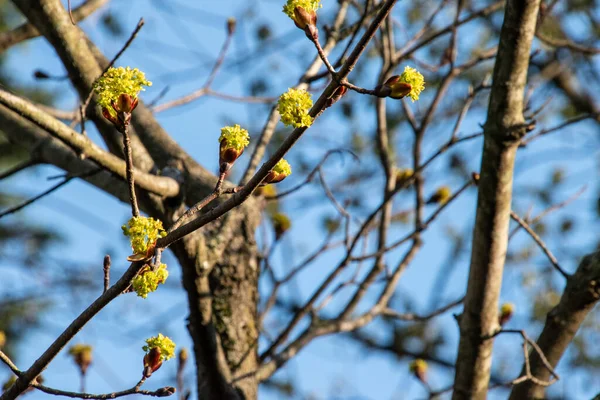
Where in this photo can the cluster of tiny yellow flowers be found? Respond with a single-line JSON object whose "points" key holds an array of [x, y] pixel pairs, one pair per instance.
{"points": [[418, 366], [78, 349], [281, 224], [236, 137], [507, 308], [415, 80], [82, 355], [117, 81], [403, 174], [143, 232], [441, 196], [283, 167], [148, 280], [163, 343], [307, 5], [293, 106]]}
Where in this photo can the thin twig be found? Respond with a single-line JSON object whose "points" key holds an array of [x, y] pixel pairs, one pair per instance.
{"points": [[205, 89], [112, 62], [106, 272], [135, 211], [32, 200], [540, 243], [387, 312], [70, 12], [540, 353]]}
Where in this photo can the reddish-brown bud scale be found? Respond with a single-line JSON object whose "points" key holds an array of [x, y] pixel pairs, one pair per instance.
{"points": [[337, 94], [106, 114], [400, 90], [152, 361], [303, 18], [228, 154], [273, 177], [503, 318], [231, 23], [83, 360], [125, 103]]}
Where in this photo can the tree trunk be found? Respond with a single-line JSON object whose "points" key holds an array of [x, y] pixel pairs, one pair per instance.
{"points": [[220, 274]]}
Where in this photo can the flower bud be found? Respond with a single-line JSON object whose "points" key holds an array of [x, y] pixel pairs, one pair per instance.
{"points": [[158, 349], [117, 93], [233, 141], [231, 23], [303, 18], [281, 224], [419, 369], [506, 313], [182, 358], [152, 361], [338, 93], [441, 196], [82, 355], [303, 13], [280, 171], [2, 339], [165, 391], [411, 83], [125, 103], [402, 175]]}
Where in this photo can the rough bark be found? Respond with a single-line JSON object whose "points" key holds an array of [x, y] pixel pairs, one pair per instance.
{"points": [[503, 129], [562, 323], [220, 275]]}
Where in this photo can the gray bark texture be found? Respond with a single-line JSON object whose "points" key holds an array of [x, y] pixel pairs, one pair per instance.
{"points": [[504, 127]]}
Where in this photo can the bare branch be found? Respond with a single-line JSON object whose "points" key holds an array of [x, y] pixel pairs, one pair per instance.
{"points": [[562, 323], [540, 243], [28, 30]]}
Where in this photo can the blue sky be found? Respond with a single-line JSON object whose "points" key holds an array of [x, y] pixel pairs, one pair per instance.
{"points": [[177, 48]]}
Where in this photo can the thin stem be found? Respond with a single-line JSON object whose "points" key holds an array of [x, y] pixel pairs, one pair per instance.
{"points": [[135, 211], [45, 193], [322, 54], [106, 272], [540, 243]]}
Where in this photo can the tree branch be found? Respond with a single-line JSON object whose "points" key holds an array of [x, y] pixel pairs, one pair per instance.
{"points": [[160, 185], [562, 323], [29, 31], [503, 130]]}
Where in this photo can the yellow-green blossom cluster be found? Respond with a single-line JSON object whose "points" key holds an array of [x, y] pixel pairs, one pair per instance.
{"points": [[293, 106], [78, 349], [308, 5], [283, 167], [117, 81], [415, 80], [418, 366], [162, 343], [281, 221], [441, 195], [235, 136], [148, 280], [507, 308], [143, 232]]}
